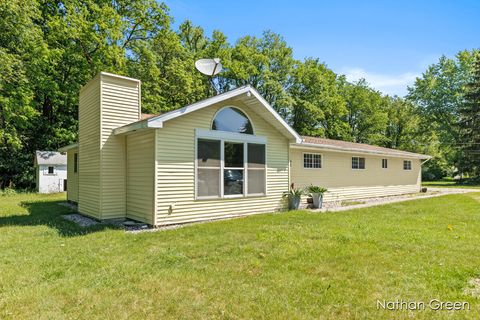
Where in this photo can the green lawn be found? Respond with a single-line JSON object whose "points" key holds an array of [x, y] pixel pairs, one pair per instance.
{"points": [[296, 265], [449, 183]]}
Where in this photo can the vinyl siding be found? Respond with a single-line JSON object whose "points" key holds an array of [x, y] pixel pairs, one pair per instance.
{"points": [[175, 177], [106, 102], [345, 183], [141, 175], [89, 149], [120, 105], [72, 177]]}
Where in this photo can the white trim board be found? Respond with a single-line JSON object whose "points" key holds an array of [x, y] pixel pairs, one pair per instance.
{"points": [[157, 121]]}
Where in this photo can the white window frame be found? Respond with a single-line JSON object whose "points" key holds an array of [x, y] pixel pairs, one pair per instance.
{"points": [[224, 136], [312, 153], [232, 107], [351, 163], [386, 163], [410, 166]]}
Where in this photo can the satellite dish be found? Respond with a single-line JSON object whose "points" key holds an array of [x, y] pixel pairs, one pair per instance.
{"points": [[209, 67]]}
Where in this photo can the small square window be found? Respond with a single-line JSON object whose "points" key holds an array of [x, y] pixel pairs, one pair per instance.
{"points": [[51, 170], [312, 160], [384, 163], [407, 165]]}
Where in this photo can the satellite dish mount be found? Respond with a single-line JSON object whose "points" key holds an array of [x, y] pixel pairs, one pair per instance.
{"points": [[210, 68]]}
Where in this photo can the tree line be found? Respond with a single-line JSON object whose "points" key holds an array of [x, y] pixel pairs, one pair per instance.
{"points": [[50, 48]]}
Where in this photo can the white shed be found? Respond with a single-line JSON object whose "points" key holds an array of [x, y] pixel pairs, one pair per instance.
{"points": [[51, 171]]}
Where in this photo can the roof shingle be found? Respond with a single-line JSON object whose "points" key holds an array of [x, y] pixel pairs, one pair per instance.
{"points": [[352, 146]]}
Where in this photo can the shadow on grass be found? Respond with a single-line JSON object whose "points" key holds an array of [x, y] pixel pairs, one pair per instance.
{"points": [[49, 213]]}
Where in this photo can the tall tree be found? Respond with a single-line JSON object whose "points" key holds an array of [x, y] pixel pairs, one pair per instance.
{"points": [[366, 114], [265, 63], [317, 107], [51, 48], [469, 123], [438, 93], [403, 119]]}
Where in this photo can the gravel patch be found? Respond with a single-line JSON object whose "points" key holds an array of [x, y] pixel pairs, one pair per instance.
{"points": [[128, 225], [333, 206], [81, 220]]}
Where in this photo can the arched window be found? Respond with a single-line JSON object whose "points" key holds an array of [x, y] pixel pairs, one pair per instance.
{"points": [[232, 120]]}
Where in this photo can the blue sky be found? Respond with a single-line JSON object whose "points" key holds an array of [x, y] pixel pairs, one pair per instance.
{"points": [[387, 42]]}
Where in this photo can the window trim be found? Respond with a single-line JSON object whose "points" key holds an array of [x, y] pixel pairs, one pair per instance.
{"points": [[223, 136], [47, 173], [315, 153], [351, 163], [403, 163], [233, 107], [386, 163]]}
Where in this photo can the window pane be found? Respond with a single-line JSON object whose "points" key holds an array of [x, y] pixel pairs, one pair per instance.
{"points": [[233, 154], [317, 161], [354, 163], [256, 155], [208, 183], [307, 160], [256, 181], [208, 153], [361, 163], [232, 182], [232, 120]]}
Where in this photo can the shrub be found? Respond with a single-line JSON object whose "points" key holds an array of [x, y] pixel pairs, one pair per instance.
{"points": [[8, 192], [316, 189]]}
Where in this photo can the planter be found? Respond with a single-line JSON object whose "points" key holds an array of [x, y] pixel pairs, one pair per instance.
{"points": [[317, 200], [293, 203]]}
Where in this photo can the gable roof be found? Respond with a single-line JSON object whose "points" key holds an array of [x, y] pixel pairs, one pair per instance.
{"points": [[50, 157], [341, 145], [248, 91]]}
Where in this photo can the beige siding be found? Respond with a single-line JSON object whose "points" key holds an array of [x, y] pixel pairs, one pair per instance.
{"points": [[175, 171], [343, 182], [72, 177], [120, 105], [106, 102], [141, 175], [89, 149]]}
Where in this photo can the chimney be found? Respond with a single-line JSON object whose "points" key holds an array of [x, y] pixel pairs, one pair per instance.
{"points": [[106, 102]]}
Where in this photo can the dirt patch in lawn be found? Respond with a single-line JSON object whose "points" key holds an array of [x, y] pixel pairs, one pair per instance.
{"points": [[473, 288]]}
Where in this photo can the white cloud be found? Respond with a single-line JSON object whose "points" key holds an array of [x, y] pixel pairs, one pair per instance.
{"points": [[386, 83]]}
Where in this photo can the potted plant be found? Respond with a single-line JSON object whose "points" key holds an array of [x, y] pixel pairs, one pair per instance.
{"points": [[316, 193], [294, 195]]}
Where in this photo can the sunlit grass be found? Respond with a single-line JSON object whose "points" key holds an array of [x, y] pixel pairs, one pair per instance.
{"points": [[275, 266]]}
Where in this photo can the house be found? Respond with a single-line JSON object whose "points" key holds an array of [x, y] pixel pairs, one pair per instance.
{"points": [[225, 156], [51, 171]]}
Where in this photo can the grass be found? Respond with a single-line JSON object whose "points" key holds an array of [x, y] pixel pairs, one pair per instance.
{"points": [[450, 183], [296, 265]]}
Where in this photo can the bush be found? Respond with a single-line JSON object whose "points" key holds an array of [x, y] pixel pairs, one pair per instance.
{"points": [[436, 169], [316, 189], [8, 192]]}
